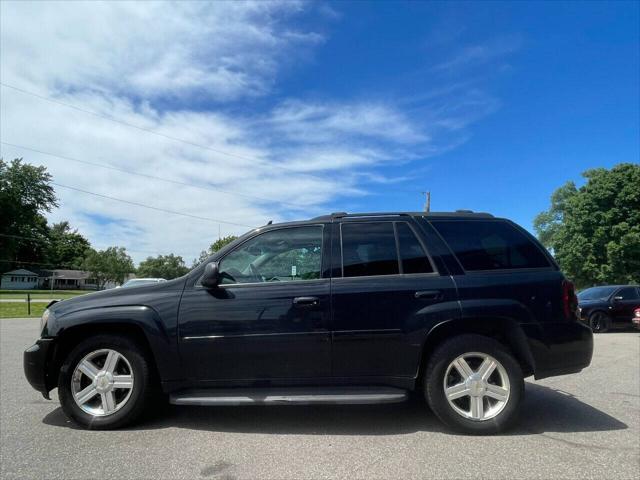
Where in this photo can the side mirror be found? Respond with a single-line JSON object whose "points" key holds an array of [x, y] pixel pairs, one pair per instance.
{"points": [[617, 298], [211, 276]]}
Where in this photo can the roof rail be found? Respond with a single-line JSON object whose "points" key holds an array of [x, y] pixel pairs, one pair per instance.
{"points": [[457, 213]]}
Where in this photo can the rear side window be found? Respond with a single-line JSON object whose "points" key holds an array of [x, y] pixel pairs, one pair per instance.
{"points": [[628, 293], [369, 249], [413, 257], [490, 245]]}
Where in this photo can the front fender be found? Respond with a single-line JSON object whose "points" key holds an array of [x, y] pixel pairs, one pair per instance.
{"points": [[160, 337]]}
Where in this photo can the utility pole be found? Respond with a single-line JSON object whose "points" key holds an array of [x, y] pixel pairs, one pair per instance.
{"points": [[427, 201]]}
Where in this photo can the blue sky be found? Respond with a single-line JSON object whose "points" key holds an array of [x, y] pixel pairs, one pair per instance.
{"points": [[284, 110], [564, 78]]}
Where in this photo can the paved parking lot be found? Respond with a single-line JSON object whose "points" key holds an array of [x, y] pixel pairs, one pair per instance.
{"points": [[577, 426]]}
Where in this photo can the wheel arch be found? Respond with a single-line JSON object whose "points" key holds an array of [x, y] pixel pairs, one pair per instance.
{"points": [[503, 329], [140, 323]]}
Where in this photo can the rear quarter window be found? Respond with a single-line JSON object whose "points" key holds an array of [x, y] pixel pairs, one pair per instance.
{"points": [[490, 245]]}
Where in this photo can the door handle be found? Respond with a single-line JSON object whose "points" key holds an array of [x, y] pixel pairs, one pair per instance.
{"points": [[303, 302], [429, 294]]}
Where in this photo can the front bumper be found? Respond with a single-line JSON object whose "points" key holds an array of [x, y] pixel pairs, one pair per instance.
{"points": [[559, 348], [36, 365]]}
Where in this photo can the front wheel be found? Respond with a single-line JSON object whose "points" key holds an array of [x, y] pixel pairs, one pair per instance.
{"points": [[104, 382], [599, 322], [474, 385]]}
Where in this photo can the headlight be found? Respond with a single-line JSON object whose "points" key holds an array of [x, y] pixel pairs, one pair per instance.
{"points": [[44, 318]]}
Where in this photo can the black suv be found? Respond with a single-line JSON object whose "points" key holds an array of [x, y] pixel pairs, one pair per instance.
{"points": [[359, 308], [608, 306]]}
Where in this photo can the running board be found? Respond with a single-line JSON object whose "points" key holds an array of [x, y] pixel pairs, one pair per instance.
{"points": [[297, 396]]}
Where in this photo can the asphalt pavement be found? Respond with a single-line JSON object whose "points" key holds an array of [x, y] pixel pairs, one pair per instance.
{"points": [[585, 425]]}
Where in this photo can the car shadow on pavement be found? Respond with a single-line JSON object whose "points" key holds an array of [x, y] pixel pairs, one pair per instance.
{"points": [[544, 410]]}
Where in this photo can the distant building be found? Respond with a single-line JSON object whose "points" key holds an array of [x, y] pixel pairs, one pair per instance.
{"points": [[67, 280], [20, 279], [71, 280]]}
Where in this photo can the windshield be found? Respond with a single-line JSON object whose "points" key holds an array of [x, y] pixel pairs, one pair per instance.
{"points": [[137, 283], [596, 293]]}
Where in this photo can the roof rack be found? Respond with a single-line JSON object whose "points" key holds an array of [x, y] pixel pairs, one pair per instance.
{"points": [[457, 213]]}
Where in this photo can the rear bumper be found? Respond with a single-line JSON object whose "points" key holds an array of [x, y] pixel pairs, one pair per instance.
{"points": [[559, 348], [35, 364]]}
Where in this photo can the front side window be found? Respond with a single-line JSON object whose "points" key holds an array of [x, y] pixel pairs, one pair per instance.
{"points": [[288, 254], [628, 293], [490, 245], [369, 249]]}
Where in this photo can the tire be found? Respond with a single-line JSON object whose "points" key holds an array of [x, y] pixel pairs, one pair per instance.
{"points": [[476, 410], [117, 395], [599, 322]]}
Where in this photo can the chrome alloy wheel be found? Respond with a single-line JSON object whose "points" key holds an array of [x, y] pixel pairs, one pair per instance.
{"points": [[476, 386], [102, 382]]}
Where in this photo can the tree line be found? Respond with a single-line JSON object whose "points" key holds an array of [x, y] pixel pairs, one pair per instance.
{"points": [[593, 230], [27, 240]]}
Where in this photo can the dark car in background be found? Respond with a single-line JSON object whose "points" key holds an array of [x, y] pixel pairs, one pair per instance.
{"points": [[608, 306], [360, 308]]}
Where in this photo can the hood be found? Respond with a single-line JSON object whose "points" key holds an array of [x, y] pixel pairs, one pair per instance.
{"points": [[142, 295]]}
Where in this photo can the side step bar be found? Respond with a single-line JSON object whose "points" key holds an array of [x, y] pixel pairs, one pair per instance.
{"points": [[298, 396]]}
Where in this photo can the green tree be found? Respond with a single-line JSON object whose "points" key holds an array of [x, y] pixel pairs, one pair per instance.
{"points": [[163, 266], [25, 195], [213, 248], [66, 245], [110, 265], [594, 231]]}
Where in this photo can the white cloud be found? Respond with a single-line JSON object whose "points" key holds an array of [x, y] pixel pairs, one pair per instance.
{"points": [[480, 54], [174, 69], [219, 50], [326, 121]]}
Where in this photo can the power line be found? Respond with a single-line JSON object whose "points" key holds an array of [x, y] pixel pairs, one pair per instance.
{"points": [[47, 240], [154, 132], [75, 267], [24, 237], [173, 212], [145, 175]]}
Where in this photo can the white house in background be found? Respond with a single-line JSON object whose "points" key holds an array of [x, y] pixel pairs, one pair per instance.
{"points": [[20, 279], [71, 280], [67, 280]]}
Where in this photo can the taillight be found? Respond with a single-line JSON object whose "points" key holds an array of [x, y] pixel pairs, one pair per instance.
{"points": [[569, 300], [636, 312]]}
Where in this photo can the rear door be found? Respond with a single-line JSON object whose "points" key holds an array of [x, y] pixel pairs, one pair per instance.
{"points": [[384, 289]]}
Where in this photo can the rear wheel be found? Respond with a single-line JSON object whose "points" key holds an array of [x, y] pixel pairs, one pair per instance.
{"points": [[474, 385], [599, 322], [104, 382]]}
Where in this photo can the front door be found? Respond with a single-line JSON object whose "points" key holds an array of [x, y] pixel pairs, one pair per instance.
{"points": [[623, 303], [385, 293], [268, 318]]}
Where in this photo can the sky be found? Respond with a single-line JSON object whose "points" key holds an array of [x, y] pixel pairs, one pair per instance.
{"points": [[223, 116]]}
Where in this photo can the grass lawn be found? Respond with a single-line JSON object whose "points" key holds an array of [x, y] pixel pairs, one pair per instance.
{"points": [[19, 309]]}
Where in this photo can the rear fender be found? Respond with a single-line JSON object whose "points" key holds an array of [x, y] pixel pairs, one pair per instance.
{"points": [[502, 328]]}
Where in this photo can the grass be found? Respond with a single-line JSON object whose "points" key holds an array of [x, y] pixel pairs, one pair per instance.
{"points": [[19, 309]]}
